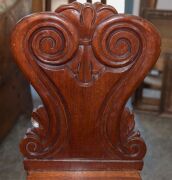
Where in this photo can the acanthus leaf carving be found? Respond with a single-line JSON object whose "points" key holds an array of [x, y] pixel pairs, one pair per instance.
{"points": [[131, 143]]}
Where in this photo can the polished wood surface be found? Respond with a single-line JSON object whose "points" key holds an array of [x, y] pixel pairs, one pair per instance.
{"points": [[84, 175], [85, 61]]}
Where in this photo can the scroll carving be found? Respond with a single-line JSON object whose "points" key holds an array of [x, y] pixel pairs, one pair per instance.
{"points": [[132, 145], [84, 56]]}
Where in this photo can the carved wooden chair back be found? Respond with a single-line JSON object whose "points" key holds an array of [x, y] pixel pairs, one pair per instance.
{"points": [[85, 61]]}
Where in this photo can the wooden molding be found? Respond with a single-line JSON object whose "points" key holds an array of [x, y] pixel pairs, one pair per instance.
{"points": [[96, 175], [85, 61]]}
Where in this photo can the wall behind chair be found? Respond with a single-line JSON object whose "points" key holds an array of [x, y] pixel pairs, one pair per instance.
{"points": [[164, 4], [118, 4], [161, 4]]}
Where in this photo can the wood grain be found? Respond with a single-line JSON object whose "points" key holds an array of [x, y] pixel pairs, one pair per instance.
{"points": [[93, 175], [85, 61]]}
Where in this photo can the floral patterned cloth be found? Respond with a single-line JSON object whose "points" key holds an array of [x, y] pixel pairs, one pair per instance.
{"points": [[5, 4]]}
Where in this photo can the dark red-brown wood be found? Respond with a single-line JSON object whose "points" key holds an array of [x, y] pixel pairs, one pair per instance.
{"points": [[85, 61], [48, 5], [70, 1]]}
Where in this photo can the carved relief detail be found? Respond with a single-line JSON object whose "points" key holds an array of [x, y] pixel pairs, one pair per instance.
{"points": [[50, 122], [38, 46], [51, 43], [86, 41], [113, 46], [131, 144]]}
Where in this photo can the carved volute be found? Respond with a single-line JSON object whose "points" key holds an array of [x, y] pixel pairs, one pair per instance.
{"points": [[85, 61]]}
